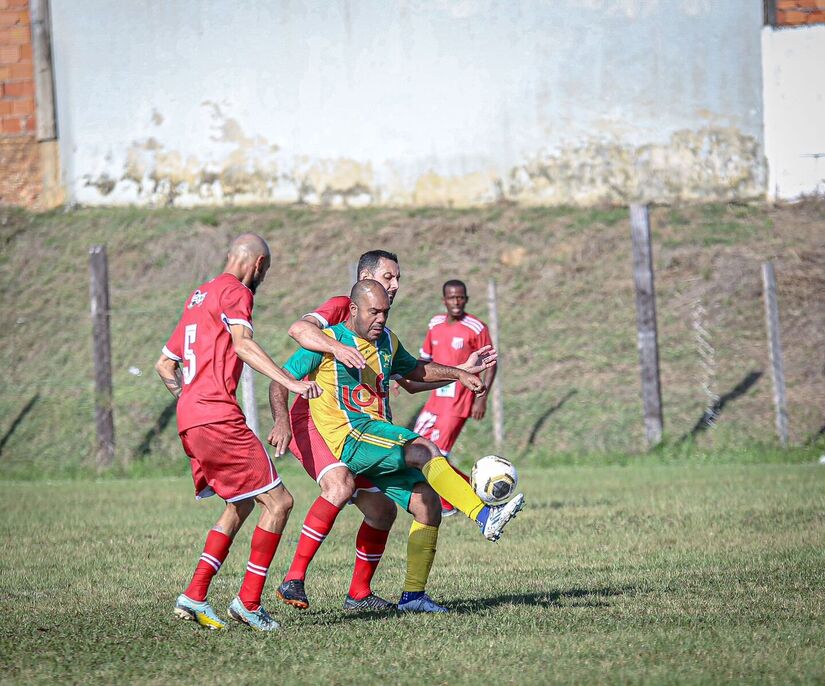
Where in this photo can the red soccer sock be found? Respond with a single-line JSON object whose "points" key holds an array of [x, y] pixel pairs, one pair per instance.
{"points": [[369, 547], [446, 505], [317, 525], [214, 553], [264, 545]]}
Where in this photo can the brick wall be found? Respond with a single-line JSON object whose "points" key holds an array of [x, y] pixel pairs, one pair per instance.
{"points": [[20, 169], [797, 12]]}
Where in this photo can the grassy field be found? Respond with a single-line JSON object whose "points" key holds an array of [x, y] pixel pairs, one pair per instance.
{"points": [[569, 365], [646, 573]]}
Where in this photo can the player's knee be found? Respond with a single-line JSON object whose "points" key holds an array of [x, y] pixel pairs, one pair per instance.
{"points": [[278, 502], [420, 452], [337, 486], [382, 513]]}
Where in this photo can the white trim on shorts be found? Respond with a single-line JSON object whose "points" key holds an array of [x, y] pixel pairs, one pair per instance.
{"points": [[252, 494], [327, 468], [371, 489]]}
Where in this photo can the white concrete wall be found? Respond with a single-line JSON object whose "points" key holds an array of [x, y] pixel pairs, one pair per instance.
{"points": [[453, 102], [793, 63]]}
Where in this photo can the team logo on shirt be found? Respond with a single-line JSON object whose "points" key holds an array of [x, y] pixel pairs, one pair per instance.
{"points": [[458, 343], [197, 299]]}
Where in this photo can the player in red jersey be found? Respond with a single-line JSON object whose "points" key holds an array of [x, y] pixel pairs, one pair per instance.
{"points": [[201, 365], [451, 339], [338, 485]]}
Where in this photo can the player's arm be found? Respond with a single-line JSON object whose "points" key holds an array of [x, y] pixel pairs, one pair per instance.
{"points": [[281, 434], [480, 360], [432, 371], [308, 333], [299, 365], [479, 408], [255, 356], [169, 372]]}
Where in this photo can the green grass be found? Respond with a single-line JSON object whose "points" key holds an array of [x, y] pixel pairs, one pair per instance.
{"points": [[566, 312], [646, 573]]}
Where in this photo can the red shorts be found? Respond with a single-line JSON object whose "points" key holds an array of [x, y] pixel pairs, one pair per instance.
{"points": [[311, 450], [228, 459], [441, 429]]}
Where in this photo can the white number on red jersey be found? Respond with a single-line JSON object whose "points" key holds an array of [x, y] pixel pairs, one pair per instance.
{"points": [[189, 370]]}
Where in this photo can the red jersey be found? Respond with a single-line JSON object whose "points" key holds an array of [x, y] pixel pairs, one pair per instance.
{"points": [[202, 343], [332, 312], [451, 343]]}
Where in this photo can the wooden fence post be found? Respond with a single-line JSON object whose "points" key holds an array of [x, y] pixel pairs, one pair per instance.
{"points": [[775, 347], [101, 339], [646, 323], [498, 398]]}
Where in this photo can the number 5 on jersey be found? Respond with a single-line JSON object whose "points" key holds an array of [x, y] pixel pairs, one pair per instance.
{"points": [[190, 369]]}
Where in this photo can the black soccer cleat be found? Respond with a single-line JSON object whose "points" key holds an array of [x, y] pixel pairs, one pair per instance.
{"points": [[370, 602], [292, 593]]}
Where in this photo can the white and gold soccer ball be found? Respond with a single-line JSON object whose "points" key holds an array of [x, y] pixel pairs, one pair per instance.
{"points": [[494, 479]]}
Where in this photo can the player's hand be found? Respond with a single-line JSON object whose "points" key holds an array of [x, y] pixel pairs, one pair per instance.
{"points": [[479, 407], [479, 360], [279, 437], [349, 356], [395, 388], [307, 389], [472, 382]]}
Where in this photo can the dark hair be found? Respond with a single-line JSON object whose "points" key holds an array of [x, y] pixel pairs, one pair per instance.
{"points": [[369, 260], [453, 283]]}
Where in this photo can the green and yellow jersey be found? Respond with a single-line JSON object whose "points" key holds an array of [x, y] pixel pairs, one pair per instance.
{"points": [[352, 397]]}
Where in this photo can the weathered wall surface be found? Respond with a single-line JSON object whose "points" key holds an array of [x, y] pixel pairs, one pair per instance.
{"points": [[793, 61], [444, 102]]}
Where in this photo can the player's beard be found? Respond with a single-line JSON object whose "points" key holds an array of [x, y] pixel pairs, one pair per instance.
{"points": [[256, 281]]}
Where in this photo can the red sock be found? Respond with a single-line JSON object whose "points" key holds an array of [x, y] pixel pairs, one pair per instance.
{"points": [[214, 553], [446, 505], [369, 547], [317, 525], [264, 545]]}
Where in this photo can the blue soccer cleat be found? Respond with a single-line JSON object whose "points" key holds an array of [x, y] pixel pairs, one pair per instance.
{"points": [[200, 612], [498, 517], [420, 603], [259, 619]]}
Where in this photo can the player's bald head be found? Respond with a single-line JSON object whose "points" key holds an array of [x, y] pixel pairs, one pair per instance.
{"points": [[249, 246], [249, 259], [369, 291]]}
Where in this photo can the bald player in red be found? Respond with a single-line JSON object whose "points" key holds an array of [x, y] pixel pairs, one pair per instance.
{"points": [[201, 365]]}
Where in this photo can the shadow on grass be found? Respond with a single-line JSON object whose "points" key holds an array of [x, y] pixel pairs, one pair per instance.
{"points": [[157, 428], [544, 417], [711, 414], [18, 420], [579, 597]]}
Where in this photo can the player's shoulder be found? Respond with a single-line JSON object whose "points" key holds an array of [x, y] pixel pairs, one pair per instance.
{"points": [[473, 323], [436, 320], [335, 302]]}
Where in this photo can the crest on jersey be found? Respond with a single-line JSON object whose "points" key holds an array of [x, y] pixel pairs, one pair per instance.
{"points": [[386, 357], [197, 299], [458, 343]]}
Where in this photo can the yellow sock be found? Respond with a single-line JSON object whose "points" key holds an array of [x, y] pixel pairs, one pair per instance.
{"points": [[420, 555], [450, 486]]}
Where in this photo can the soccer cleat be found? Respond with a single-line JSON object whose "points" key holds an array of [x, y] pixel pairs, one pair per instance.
{"points": [[498, 517], [292, 593], [200, 612], [422, 603], [447, 510], [259, 619], [370, 602]]}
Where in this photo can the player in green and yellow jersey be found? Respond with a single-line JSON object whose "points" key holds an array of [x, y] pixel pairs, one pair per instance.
{"points": [[354, 418]]}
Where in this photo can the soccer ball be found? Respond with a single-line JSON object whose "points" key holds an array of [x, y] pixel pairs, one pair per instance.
{"points": [[494, 479]]}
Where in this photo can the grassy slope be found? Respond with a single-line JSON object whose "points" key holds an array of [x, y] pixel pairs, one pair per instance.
{"points": [[566, 309], [650, 573]]}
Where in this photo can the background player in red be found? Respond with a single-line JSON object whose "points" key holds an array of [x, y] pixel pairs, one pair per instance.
{"points": [[451, 338], [338, 485], [201, 364]]}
